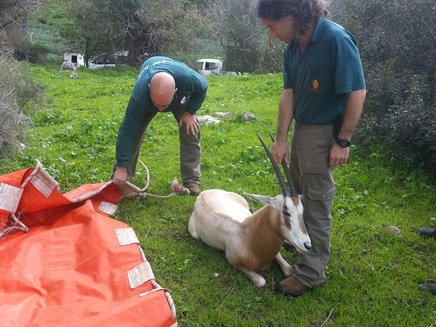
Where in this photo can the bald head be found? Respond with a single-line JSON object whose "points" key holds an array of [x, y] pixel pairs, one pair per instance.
{"points": [[162, 88]]}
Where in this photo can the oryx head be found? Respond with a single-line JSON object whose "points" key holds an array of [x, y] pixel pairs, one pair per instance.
{"points": [[288, 205]]}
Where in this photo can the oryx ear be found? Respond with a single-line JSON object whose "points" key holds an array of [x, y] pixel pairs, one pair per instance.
{"points": [[266, 200]]}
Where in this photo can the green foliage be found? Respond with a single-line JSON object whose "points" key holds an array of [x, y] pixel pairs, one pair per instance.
{"points": [[244, 40], [373, 275], [44, 25], [14, 33], [397, 48], [140, 27], [17, 91]]}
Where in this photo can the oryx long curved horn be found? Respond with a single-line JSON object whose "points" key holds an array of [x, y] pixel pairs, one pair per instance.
{"points": [[287, 173], [275, 166]]}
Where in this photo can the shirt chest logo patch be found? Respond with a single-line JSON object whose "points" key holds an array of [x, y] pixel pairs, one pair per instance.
{"points": [[183, 100], [315, 88]]}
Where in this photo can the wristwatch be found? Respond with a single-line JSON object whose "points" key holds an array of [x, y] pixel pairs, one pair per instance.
{"points": [[343, 143]]}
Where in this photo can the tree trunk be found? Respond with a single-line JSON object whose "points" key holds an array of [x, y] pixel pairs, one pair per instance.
{"points": [[131, 56]]}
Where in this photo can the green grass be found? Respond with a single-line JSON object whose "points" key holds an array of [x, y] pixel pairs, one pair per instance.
{"points": [[373, 275], [44, 26]]}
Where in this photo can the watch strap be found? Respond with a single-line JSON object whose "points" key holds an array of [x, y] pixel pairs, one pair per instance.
{"points": [[342, 142]]}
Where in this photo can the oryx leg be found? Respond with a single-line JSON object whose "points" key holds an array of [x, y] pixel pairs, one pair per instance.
{"points": [[286, 267], [257, 279]]}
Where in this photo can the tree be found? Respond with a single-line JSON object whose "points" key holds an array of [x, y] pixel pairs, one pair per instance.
{"points": [[163, 27], [247, 45], [88, 30], [98, 26], [14, 15], [395, 37], [397, 42], [141, 27]]}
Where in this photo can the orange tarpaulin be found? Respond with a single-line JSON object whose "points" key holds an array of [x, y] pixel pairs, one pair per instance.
{"points": [[64, 262]]}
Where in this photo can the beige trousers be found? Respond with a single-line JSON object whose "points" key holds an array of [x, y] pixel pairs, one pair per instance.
{"points": [[190, 151], [313, 178]]}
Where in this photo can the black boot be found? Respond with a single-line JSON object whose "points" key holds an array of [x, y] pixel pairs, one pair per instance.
{"points": [[431, 287], [428, 231]]}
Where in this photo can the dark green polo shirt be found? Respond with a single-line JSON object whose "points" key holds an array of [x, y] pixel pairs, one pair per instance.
{"points": [[191, 90], [323, 75]]}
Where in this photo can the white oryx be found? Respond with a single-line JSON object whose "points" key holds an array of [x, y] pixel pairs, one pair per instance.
{"points": [[223, 220]]}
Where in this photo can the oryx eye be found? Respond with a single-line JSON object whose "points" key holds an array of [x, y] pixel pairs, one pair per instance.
{"points": [[287, 217]]}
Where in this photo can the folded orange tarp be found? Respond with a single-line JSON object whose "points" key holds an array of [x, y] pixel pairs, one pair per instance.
{"points": [[64, 262]]}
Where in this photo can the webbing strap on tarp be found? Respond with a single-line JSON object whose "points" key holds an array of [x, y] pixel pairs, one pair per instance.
{"points": [[64, 262]]}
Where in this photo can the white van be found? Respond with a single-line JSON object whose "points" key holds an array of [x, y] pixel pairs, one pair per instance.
{"points": [[209, 67]]}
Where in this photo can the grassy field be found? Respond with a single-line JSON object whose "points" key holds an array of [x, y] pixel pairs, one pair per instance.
{"points": [[373, 275]]}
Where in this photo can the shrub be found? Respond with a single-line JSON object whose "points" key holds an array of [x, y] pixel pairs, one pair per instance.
{"points": [[408, 132], [398, 60], [10, 115], [16, 91], [24, 49]]}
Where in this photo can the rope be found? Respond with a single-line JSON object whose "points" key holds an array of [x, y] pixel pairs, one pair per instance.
{"points": [[131, 190]]}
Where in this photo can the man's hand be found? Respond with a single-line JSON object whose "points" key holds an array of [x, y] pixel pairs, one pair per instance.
{"points": [[338, 155], [190, 122], [120, 176], [280, 150]]}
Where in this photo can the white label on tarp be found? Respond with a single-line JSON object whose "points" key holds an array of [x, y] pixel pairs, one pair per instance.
{"points": [[10, 197], [140, 275], [142, 253], [126, 236], [108, 208], [44, 182]]}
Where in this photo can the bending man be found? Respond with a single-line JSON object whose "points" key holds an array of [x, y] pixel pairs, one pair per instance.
{"points": [[163, 85]]}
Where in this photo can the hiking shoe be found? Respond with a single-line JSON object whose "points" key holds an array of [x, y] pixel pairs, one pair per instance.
{"points": [[292, 286], [428, 231], [431, 287], [194, 190]]}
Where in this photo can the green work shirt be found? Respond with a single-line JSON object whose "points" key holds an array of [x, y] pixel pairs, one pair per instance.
{"points": [[324, 74], [191, 91]]}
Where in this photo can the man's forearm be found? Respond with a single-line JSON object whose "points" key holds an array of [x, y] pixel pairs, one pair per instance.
{"points": [[286, 114], [353, 111]]}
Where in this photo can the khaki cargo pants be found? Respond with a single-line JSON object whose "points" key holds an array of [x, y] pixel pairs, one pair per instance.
{"points": [[313, 177], [190, 150]]}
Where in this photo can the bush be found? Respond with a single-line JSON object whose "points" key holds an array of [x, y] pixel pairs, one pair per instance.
{"points": [[24, 50], [10, 115], [398, 59], [413, 129], [15, 91], [408, 133], [246, 44]]}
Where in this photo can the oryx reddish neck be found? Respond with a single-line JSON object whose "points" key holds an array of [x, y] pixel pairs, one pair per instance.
{"points": [[261, 236]]}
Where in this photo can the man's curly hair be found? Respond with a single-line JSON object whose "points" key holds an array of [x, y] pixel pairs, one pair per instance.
{"points": [[308, 12]]}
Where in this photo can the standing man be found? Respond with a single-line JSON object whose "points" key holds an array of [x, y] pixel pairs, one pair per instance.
{"points": [[163, 85], [324, 91]]}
